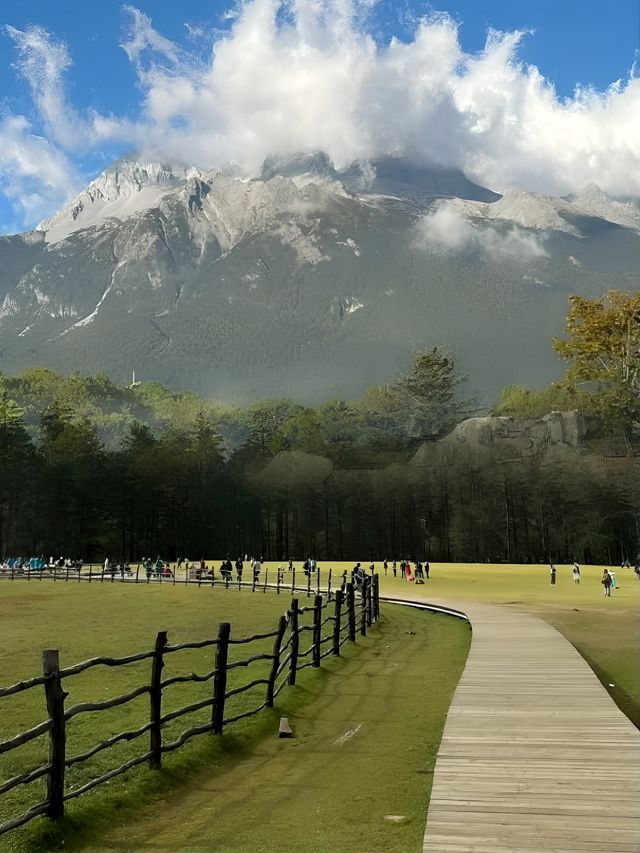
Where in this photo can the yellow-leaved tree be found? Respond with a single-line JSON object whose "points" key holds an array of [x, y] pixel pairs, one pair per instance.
{"points": [[603, 351]]}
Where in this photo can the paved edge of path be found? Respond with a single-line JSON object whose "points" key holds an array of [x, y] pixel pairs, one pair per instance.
{"points": [[535, 755]]}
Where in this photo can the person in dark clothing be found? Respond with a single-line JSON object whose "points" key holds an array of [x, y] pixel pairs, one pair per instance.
{"points": [[552, 572], [403, 568], [426, 569], [386, 566]]}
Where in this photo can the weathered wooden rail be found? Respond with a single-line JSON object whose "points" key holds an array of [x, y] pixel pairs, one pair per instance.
{"points": [[348, 607], [311, 583]]}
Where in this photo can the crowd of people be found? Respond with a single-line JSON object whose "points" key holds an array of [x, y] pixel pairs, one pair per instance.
{"points": [[24, 565], [414, 571]]}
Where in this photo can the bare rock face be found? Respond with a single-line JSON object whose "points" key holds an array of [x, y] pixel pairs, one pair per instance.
{"points": [[504, 439], [550, 440]]}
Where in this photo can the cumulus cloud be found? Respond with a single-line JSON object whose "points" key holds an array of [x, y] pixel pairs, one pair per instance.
{"points": [[288, 76], [34, 175], [446, 228]]}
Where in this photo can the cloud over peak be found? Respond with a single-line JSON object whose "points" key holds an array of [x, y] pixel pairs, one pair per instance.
{"points": [[309, 75]]}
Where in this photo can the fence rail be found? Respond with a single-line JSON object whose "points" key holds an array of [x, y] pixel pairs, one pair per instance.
{"points": [[347, 609], [309, 583]]}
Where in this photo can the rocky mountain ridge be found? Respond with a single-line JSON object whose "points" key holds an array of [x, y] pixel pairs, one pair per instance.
{"points": [[307, 281]]}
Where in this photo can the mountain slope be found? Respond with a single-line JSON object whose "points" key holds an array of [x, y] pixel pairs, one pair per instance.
{"points": [[308, 281]]}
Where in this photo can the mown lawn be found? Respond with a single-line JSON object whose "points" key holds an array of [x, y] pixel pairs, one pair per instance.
{"points": [[327, 789], [367, 726], [606, 631], [84, 621]]}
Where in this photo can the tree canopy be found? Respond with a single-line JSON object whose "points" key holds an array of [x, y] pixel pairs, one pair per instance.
{"points": [[603, 351]]}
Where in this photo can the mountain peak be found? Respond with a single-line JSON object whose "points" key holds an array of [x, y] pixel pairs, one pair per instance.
{"points": [[127, 186]]}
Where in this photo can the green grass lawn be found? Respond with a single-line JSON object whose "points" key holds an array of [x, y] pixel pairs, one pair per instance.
{"points": [[367, 730], [328, 788], [84, 621], [606, 631]]}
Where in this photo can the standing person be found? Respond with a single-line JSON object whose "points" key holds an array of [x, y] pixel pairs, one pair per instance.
{"points": [[612, 575], [403, 568], [395, 568], [576, 573], [606, 583], [257, 566], [552, 572], [386, 566], [290, 565], [426, 569], [372, 567]]}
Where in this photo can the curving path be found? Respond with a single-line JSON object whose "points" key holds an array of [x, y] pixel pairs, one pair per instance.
{"points": [[535, 756]]}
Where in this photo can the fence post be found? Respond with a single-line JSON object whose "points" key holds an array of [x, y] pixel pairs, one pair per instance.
{"points": [[369, 601], [266, 577], [282, 627], [318, 580], [351, 609], [220, 677], [55, 697], [295, 642], [155, 701], [317, 630], [363, 606], [309, 582], [336, 622], [293, 582], [376, 596]]}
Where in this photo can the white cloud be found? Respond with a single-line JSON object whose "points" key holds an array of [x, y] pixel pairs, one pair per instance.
{"points": [[446, 228], [34, 175], [303, 75]]}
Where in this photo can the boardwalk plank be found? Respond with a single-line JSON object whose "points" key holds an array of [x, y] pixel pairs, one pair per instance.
{"points": [[535, 756]]}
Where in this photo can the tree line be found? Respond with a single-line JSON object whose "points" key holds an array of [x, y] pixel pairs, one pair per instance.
{"points": [[88, 468]]}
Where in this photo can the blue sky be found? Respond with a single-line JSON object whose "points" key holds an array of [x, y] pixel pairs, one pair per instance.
{"points": [[571, 43]]}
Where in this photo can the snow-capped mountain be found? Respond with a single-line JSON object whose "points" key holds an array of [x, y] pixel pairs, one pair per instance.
{"points": [[125, 188], [307, 280]]}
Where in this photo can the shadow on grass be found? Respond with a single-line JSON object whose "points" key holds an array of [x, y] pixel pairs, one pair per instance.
{"points": [[94, 815]]}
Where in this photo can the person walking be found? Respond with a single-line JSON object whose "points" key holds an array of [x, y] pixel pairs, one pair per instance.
{"points": [[403, 568], [386, 566], [576, 573], [395, 568], [606, 583], [552, 572], [612, 575], [426, 569]]}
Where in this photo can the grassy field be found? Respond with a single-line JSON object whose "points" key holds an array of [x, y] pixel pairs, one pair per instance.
{"points": [[327, 789], [84, 621], [375, 686], [606, 631]]}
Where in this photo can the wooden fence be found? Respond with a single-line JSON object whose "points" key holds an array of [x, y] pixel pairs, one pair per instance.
{"points": [[311, 583], [353, 611]]}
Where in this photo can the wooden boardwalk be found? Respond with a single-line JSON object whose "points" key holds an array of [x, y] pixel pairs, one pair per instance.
{"points": [[535, 755]]}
